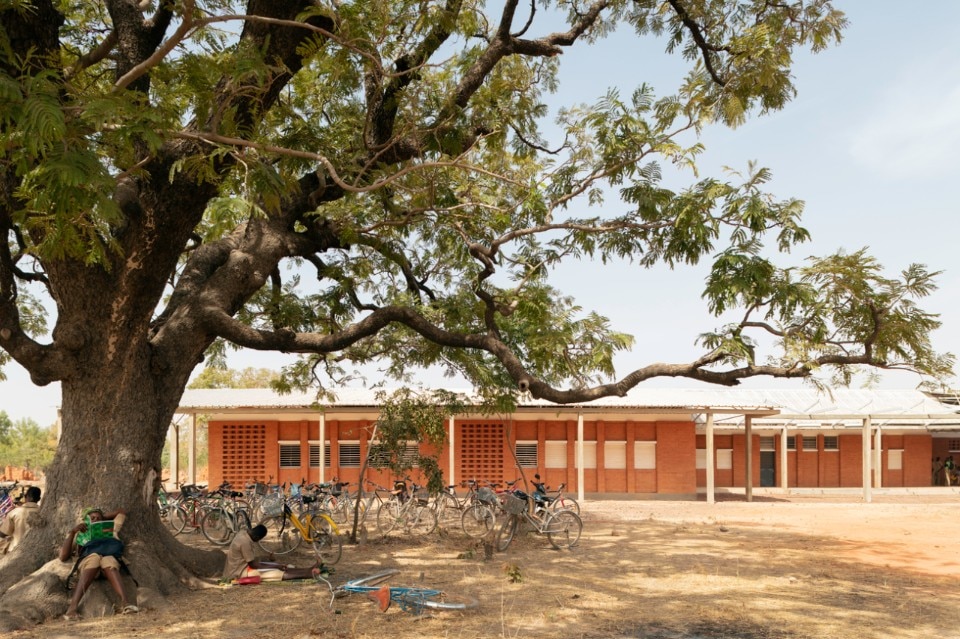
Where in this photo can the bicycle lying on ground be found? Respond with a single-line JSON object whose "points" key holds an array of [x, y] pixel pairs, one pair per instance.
{"points": [[409, 598]]}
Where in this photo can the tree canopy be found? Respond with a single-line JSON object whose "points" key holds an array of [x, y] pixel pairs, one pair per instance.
{"points": [[371, 182]]}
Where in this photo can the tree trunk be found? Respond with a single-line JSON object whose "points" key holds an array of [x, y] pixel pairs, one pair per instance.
{"points": [[115, 421]]}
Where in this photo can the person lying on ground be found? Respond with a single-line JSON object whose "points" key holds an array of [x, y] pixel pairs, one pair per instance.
{"points": [[242, 561], [94, 540]]}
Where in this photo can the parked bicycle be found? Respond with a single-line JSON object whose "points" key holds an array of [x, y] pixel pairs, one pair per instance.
{"points": [[562, 528], [186, 516], [221, 523], [7, 500], [559, 501], [411, 599], [337, 500], [479, 514], [408, 509], [286, 530]]}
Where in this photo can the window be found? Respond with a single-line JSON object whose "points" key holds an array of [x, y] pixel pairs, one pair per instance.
{"points": [[349, 454], [953, 445], [289, 454], [526, 454], [810, 444], [411, 454], [589, 455], [768, 443], [645, 455], [895, 459], [315, 454], [380, 458], [555, 454], [724, 458], [791, 443], [614, 454], [831, 442]]}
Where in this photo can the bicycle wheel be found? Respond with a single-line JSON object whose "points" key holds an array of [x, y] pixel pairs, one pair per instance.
{"points": [[507, 530], [326, 544], [477, 520], [448, 510], [369, 582], [242, 520], [565, 503], [563, 528], [414, 599], [217, 526], [343, 511], [388, 515], [420, 520], [281, 537], [178, 519]]}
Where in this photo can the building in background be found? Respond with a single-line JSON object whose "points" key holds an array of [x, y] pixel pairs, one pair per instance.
{"points": [[650, 442]]}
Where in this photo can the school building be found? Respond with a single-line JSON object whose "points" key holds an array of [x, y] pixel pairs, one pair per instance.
{"points": [[654, 442]]}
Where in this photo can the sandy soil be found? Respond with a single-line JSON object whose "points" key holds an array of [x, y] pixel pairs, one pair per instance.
{"points": [[773, 568]]}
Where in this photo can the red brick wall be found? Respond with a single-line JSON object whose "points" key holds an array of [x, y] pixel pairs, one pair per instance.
{"points": [[851, 461], [675, 473], [676, 458], [917, 456]]}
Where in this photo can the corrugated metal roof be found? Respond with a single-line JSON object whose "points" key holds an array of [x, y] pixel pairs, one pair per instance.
{"points": [[794, 406]]}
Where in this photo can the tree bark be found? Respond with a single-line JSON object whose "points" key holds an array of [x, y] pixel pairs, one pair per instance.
{"points": [[115, 423]]}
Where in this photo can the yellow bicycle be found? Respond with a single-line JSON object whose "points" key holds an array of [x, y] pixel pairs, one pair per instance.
{"points": [[286, 530]]}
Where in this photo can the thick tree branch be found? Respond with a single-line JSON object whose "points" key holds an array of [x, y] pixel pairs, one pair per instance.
{"points": [[696, 32]]}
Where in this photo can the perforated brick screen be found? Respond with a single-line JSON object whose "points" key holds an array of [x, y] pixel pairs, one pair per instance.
{"points": [[482, 451], [243, 459]]}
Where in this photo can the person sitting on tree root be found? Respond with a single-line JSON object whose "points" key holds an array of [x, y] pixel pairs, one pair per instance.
{"points": [[242, 561], [95, 542]]}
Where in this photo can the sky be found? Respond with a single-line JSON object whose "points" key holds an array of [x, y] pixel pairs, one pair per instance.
{"points": [[871, 143]]}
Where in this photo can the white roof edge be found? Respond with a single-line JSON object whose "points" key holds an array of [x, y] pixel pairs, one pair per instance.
{"points": [[768, 405]]}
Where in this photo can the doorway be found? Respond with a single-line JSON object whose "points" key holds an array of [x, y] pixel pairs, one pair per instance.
{"points": [[768, 468]]}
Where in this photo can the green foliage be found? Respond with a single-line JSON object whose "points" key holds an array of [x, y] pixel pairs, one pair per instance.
{"points": [[408, 416], [25, 444], [215, 377], [513, 573]]}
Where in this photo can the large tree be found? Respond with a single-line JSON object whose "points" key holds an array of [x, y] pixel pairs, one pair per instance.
{"points": [[361, 180]]}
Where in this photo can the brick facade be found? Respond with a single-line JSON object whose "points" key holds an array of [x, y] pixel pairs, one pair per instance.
{"points": [[622, 456]]}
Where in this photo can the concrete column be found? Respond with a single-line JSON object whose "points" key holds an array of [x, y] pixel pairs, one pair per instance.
{"points": [[784, 477], [451, 452], [865, 437], [711, 465], [323, 448], [174, 457], [878, 459], [192, 451], [748, 427], [579, 457]]}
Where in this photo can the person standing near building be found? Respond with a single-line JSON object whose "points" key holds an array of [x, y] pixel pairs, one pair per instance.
{"points": [[948, 468], [15, 525]]}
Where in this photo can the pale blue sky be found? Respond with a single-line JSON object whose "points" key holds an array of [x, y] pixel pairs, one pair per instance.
{"points": [[871, 143]]}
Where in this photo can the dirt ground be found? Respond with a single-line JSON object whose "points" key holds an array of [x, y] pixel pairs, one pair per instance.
{"points": [[775, 568]]}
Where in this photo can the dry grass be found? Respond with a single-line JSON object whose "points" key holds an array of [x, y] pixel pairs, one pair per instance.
{"points": [[653, 571]]}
